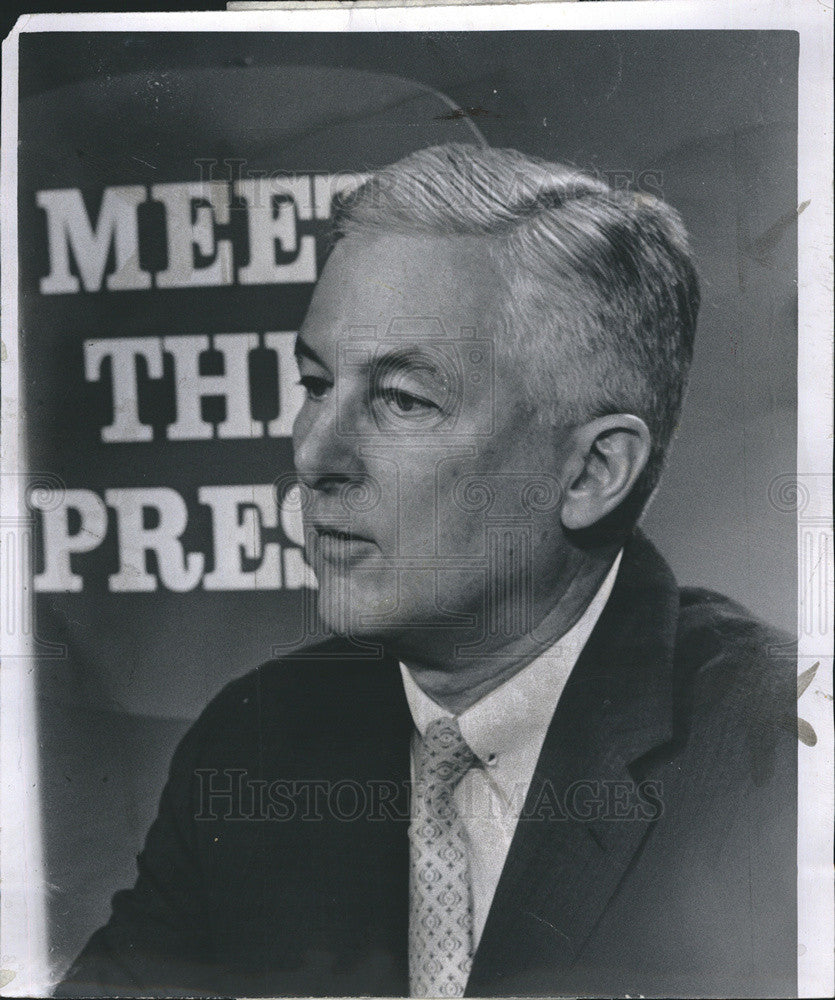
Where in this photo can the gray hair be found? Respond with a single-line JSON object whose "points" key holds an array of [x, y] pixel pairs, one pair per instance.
{"points": [[598, 282]]}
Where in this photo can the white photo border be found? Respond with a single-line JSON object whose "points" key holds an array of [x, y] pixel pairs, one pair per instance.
{"points": [[23, 931]]}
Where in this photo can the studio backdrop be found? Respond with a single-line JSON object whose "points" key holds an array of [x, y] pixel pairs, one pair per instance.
{"points": [[175, 196]]}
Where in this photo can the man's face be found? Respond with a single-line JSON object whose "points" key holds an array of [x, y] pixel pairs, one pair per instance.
{"points": [[431, 493]]}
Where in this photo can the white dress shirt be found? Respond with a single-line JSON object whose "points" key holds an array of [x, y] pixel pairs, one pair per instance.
{"points": [[505, 730]]}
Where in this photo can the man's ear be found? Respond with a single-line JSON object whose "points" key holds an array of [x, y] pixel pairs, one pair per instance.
{"points": [[607, 456]]}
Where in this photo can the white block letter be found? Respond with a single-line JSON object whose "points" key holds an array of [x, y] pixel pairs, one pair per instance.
{"points": [[177, 571], [191, 211], [68, 227], [123, 352], [297, 573], [290, 393], [239, 515], [327, 186], [192, 387], [275, 204], [58, 543]]}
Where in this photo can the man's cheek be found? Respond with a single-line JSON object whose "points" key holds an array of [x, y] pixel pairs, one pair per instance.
{"points": [[417, 517]]}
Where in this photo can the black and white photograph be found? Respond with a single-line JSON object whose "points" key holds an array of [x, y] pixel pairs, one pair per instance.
{"points": [[417, 553]]}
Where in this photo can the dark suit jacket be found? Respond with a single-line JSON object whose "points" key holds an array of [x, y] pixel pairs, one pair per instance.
{"points": [[656, 854]]}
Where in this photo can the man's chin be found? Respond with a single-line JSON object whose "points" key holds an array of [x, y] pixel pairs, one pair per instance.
{"points": [[356, 613], [378, 607]]}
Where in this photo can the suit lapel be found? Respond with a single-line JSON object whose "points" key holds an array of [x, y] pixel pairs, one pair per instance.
{"points": [[572, 844], [365, 864]]}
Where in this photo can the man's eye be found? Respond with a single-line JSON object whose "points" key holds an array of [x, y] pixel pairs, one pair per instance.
{"points": [[315, 387], [405, 402]]}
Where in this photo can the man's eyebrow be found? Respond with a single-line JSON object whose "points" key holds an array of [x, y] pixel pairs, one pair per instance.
{"points": [[408, 357], [396, 359], [303, 350]]}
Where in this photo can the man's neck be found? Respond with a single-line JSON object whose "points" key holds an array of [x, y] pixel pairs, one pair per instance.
{"points": [[458, 680]]}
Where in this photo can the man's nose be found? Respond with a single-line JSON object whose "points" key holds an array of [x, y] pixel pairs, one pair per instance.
{"points": [[326, 444]]}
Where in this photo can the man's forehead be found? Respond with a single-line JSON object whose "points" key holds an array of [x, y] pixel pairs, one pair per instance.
{"points": [[405, 288], [461, 364]]}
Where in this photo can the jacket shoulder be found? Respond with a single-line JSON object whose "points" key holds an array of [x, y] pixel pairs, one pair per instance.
{"points": [[737, 681], [313, 686], [713, 626]]}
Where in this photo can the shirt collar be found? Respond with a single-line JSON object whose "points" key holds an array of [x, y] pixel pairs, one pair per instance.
{"points": [[512, 719]]}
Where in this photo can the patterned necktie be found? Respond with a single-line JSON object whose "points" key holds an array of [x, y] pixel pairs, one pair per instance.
{"points": [[440, 896]]}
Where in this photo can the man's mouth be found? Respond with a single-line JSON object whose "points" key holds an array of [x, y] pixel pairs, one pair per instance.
{"points": [[335, 545]]}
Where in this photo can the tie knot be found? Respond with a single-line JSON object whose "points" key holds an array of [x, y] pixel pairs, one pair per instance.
{"points": [[446, 758]]}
